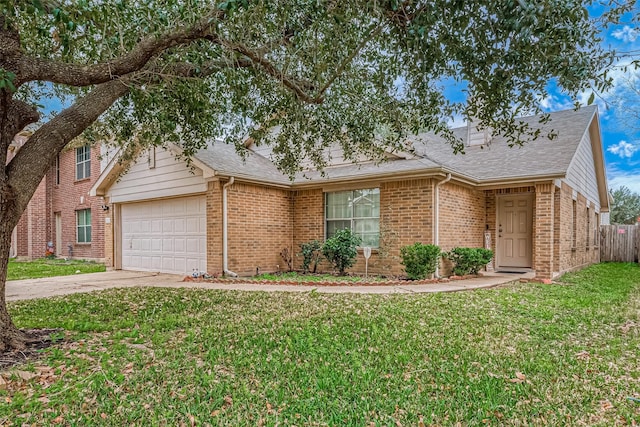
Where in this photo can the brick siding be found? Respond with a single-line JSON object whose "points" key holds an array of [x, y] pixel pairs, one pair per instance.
{"points": [[37, 225]]}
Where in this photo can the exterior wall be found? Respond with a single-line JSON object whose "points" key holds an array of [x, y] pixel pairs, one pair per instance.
{"points": [[70, 196], [259, 228], [463, 217], [308, 218], [581, 174], [462, 220], [166, 177], [585, 248], [406, 217], [37, 225], [214, 227], [543, 229], [33, 230]]}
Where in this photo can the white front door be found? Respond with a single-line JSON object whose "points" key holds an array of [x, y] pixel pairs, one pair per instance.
{"points": [[515, 218], [169, 235]]}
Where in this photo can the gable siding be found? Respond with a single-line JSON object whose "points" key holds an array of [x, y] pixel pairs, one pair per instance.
{"points": [[169, 178], [581, 175]]}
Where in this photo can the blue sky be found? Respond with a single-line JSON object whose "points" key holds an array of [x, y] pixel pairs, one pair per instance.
{"points": [[620, 127]]}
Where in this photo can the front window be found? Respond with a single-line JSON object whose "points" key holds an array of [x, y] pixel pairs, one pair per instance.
{"points": [[358, 210], [83, 226], [83, 162]]}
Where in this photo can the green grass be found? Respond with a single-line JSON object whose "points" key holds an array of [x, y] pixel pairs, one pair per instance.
{"points": [[523, 354], [295, 276], [43, 267]]}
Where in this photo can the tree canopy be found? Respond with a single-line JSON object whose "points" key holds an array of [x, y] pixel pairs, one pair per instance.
{"points": [[625, 208], [322, 71], [362, 74]]}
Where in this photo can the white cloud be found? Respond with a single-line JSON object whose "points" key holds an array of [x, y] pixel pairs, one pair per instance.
{"points": [[623, 149], [626, 34], [620, 178], [554, 103]]}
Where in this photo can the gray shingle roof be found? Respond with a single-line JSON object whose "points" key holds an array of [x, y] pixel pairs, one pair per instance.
{"points": [[499, 161], [224, 159], [496, 161]]}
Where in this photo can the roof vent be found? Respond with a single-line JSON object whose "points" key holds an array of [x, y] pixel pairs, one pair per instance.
{"points": [[477, 135]]}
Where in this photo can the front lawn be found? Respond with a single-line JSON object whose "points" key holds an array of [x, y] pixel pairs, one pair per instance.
{"points": [[43, 267], [522, 354]]}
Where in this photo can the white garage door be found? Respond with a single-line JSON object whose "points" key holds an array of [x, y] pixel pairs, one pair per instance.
{"points": [[169, 235]]}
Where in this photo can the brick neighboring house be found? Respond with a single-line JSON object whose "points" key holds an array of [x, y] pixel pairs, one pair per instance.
{"points": [[61, 211], [537, 206]]}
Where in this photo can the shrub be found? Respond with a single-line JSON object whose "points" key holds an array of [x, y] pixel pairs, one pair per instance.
{"points": [[468, 260], [287, 257], [419, 260], [311, 254], [341, 250]]}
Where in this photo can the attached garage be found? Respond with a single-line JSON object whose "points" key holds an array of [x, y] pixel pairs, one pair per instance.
{"points": [[168, 235]]}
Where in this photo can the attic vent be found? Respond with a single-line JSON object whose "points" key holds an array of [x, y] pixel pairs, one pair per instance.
{"points": [[477, 136]]}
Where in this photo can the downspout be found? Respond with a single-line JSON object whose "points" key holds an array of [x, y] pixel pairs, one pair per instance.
{"points": [[436, 216], [225, 265]]}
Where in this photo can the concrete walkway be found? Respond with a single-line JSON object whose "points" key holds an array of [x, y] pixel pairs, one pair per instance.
{"points": [[65, 285]]}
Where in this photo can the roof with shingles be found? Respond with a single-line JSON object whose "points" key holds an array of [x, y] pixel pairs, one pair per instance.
{"points": [[496, 160], [492, 162]]}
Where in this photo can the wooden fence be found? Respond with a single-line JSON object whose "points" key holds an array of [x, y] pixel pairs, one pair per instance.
{"points": [[620, 243]]}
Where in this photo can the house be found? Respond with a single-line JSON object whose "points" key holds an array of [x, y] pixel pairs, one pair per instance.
{"points": [[537, 206], [62, 218]]}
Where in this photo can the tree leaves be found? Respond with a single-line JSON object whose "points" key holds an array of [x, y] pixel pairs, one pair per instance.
{"points": [[375, 86], [625, 208]]}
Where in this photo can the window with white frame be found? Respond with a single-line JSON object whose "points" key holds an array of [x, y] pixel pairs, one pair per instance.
{"points": [[83, 162], [357, 210], [83, 226]]}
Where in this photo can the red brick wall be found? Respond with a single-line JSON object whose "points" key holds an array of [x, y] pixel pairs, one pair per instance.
{"points": [[462, 217], [307, 219], [33, 232], [405, 218], [72, 195], [259, 228], [214, 227], [543, 231], [572, 256]]}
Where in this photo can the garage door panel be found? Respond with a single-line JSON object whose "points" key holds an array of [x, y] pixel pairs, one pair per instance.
{"points": [[165, 235]]}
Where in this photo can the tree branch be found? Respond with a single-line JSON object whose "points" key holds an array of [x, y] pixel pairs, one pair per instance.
{"points": [[31, 68], [294, 85], [31, 163]]}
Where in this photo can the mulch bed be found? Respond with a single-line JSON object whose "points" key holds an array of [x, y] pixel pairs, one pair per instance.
{"points": [[38, 339], [362, 282]]}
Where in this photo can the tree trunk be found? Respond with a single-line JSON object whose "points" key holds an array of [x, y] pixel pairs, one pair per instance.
{"points": [[10, 336], [21, 176]]}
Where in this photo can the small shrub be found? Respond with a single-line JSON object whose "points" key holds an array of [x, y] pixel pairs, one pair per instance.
{"points": [[311, 254], [419, 260], [341, 250], [287, 257], [468, 260]]}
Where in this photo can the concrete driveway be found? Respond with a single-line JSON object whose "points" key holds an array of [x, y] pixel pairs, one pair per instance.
{"points": [[65, 285]]}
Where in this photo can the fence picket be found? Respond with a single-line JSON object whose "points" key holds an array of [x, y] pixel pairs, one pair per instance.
{"points": [[620, 243]]}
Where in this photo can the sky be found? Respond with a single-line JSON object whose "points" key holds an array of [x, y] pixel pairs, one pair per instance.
{"points": [[620, 128]]}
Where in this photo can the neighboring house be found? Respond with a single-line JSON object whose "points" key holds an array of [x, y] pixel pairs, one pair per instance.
{"points": [[62, 217], [537, 206]]}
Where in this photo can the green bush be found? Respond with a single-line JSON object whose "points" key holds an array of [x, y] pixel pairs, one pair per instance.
{"points": [[311, 254], [341, 250], [419, 260], [468, 260]]}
